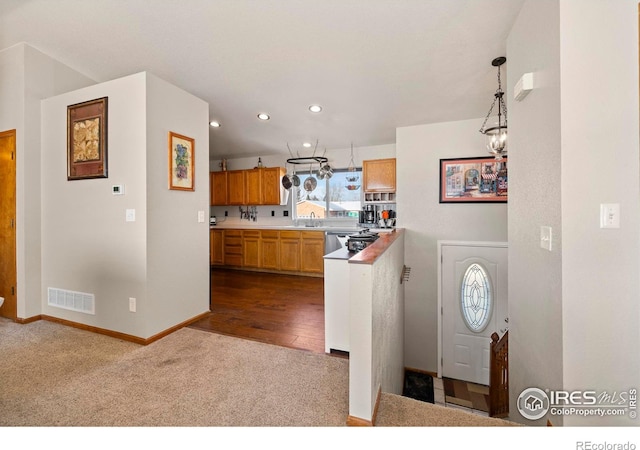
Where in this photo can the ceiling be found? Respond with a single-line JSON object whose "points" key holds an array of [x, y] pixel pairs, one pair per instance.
{"points": [[373, 65]]}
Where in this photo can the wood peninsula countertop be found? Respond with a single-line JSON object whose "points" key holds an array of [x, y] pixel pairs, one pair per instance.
{"points": [[372, 252]]}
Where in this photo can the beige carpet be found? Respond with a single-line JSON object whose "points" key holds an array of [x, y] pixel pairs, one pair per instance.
{"points": [[53, 375]]}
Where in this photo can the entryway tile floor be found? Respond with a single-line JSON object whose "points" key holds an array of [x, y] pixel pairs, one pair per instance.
{"points": [[457, 394]]}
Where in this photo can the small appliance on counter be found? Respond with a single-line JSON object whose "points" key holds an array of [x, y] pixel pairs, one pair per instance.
{"points": [[359, 241], [212, 220]]}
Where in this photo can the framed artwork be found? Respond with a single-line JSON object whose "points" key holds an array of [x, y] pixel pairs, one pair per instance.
{"points": [[87, 140], [473, 180], [181, 162]]}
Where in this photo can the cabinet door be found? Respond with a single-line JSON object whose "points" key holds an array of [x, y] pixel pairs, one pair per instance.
{"points": [[217, 247], [253, 188], [251, 248], [270, 250], [271, 185], [290, 250], [312, 252], [236, 187], [379, 175], [218, 188]]}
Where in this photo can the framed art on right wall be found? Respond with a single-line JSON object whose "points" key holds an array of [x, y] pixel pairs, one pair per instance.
{"points": [[474, 180]]}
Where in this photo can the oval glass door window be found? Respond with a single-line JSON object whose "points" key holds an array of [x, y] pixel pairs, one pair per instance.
{"points": [[476, 298]]}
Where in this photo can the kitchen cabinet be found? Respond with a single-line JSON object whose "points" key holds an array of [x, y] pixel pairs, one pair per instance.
{"points": [[233, 247], [236, 187], [251, 248], [270, 249], [272, 191], [312, 251], [216, 242], [248, 187], [290, 251], [379, 180], [218, 188], [253, 187]]}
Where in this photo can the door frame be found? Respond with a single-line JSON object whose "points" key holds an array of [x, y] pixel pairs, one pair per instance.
{"points": [[440, 245]]}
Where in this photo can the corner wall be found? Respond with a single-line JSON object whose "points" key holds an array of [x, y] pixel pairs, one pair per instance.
{"points": [[535, 274], [418, 153], [162, 258], [177, 244]]}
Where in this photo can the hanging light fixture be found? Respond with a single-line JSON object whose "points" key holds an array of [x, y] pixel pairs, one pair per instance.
{"points": [[497, 135]]}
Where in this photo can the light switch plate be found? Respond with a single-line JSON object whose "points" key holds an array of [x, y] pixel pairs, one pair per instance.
{"points": [[610, 215], [130, 215], [546, 238], [200, 216]]}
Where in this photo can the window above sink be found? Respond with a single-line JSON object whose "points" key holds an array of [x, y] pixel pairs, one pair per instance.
{"points": [[338, 197]]}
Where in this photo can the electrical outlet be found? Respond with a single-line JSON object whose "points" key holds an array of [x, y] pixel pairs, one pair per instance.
{"points": [[226, 213], [285, 213], [132, 304], [273, 213]]}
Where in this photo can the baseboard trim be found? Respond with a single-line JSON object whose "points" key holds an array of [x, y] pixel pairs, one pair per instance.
{"points": [[28, 319], [353, 421], [123, 336]]}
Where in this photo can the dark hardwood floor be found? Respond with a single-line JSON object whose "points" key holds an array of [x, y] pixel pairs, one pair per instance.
{"points": [[284, 310]]}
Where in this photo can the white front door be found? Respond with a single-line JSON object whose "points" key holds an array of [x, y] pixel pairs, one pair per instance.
{"points": [[474, 305]]}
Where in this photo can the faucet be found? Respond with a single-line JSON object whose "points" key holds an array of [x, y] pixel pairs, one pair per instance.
{"points": [[312, 216]]}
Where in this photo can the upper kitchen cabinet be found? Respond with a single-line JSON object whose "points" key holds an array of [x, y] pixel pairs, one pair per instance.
{"points": [[236, 187], [272, 191], [379, 180], [248, 187], [218, 188], [253, 187]]}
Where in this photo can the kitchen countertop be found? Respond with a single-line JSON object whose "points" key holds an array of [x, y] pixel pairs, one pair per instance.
{"points": [[254, 225], [370, 253]]}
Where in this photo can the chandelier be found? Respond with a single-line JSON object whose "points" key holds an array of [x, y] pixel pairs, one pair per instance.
{"points": [[497, 135]]}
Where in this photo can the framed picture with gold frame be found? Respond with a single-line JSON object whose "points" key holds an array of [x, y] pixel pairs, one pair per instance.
{"points": [[181, 162], [474, 180], [87, 140]]}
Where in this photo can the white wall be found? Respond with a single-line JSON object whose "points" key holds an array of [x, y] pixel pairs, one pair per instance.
{"points": [[535, 275], [87, 245], [28, 76], [177, 244], [418, 153], [600, 267]]}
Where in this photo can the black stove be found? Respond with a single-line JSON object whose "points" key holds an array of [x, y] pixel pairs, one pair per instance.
{"points": [[361, 240]]}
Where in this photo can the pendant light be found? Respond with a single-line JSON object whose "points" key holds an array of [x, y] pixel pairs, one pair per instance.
{"points": [[497, 135]]}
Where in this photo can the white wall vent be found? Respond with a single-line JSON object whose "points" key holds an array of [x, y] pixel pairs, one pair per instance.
{"points": [[71, 300]]}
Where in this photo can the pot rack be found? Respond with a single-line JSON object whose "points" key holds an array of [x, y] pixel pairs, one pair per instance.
{"points": [[313, 159], [308, 160]]}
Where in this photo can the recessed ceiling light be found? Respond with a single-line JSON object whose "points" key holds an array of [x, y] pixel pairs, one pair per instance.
{"points": [[263, 116], [214, 124], [306, 144], [315, 108]]}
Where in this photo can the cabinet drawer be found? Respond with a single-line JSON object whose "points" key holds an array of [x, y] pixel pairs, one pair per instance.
{"points": [[290, 235], [232, 233], [232, 241], [270, 234], [251, 234], [312, 234]]}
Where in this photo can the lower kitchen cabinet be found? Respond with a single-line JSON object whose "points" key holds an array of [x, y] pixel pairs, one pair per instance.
{"points": [[290, 250], [233, 247], [312, 251], [270, 249], [216, 241], [251, 248], [300, 252]]}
